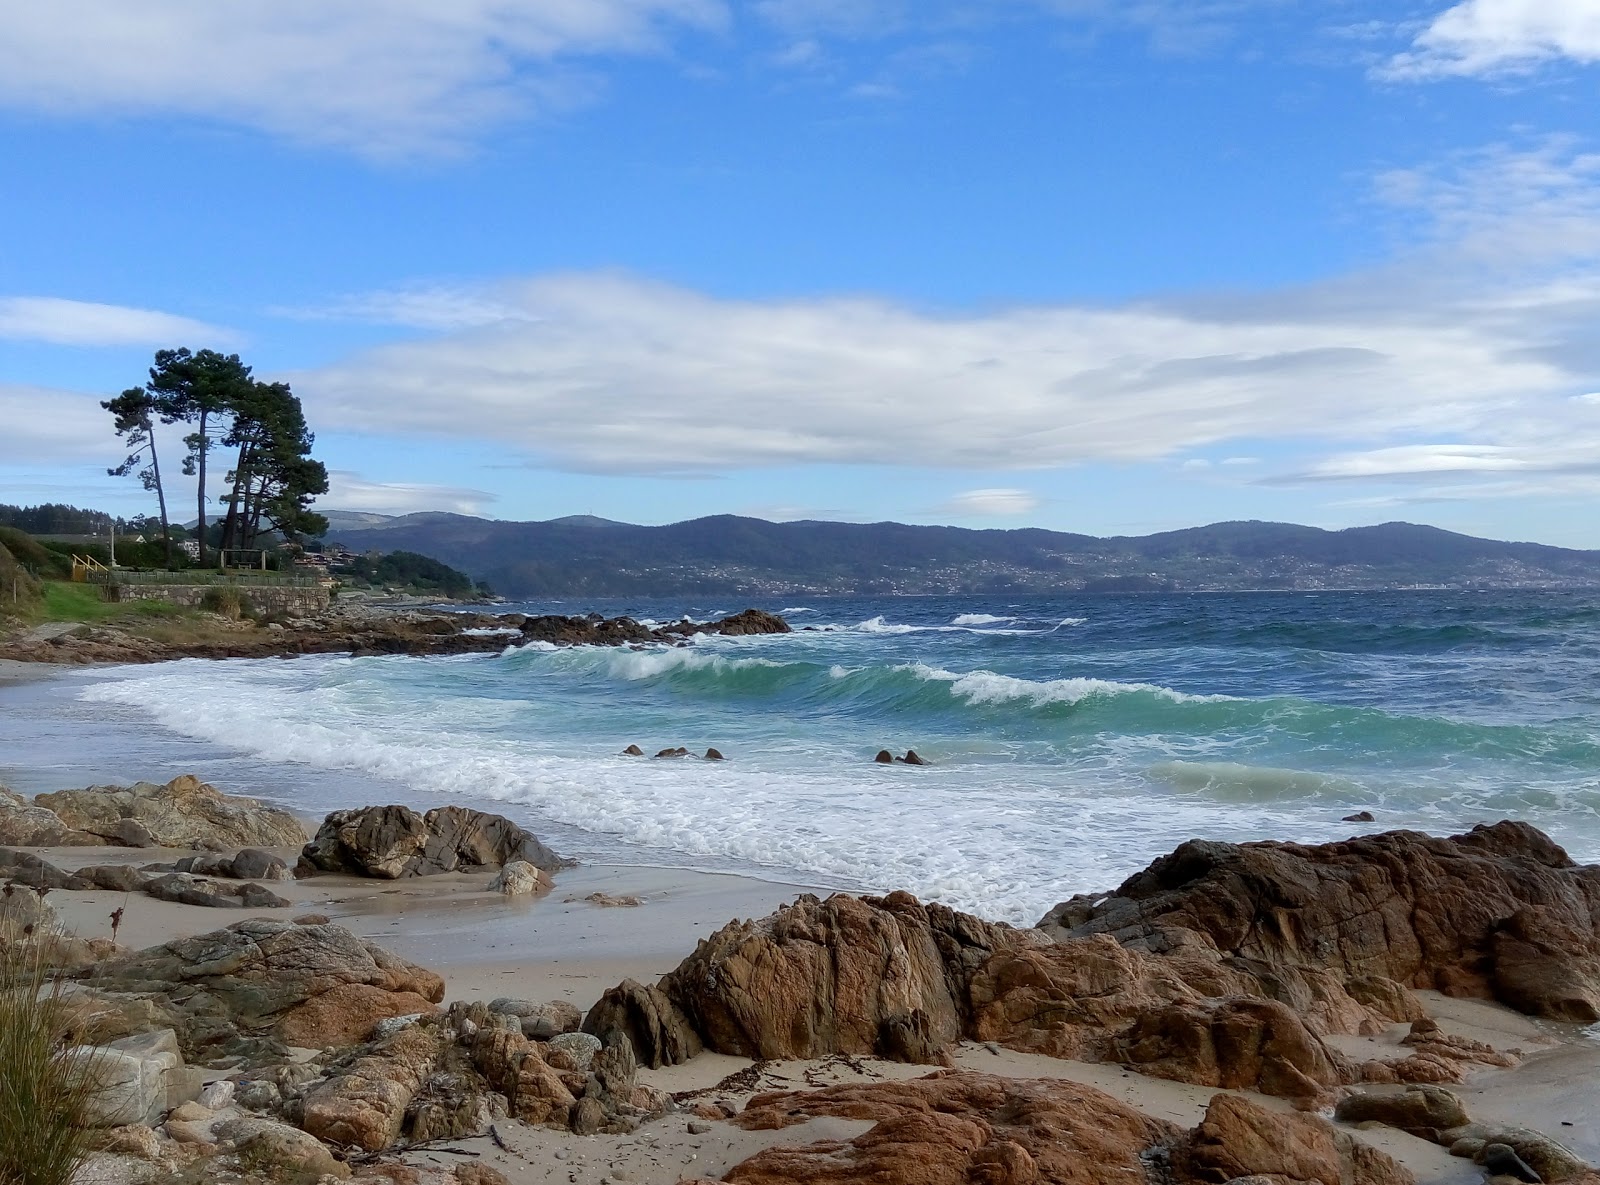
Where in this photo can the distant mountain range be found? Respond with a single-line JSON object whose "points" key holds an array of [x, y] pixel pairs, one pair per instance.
{"points": [[726, 555]]}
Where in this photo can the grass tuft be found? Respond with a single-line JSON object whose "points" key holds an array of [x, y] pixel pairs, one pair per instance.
{"points": [[45, 1100]]}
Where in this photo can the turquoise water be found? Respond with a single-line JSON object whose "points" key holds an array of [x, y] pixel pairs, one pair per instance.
{"points": [[1073, 739]]}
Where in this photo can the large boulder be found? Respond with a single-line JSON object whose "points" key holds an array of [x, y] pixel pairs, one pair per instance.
{"points": [[1501, 912], [185, 813], [365, 1106], [392, 842], [956, 1128], [1239, 1138], [310, 986], [28, 825]]}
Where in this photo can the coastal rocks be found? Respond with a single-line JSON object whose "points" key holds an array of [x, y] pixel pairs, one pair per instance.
{"points": [[184, 813], [28, 825], [393, 842], [1420, 1110], [749, 623], [26, 869], [366, 1105], [540, 1022], [250, 864], [1236, 1044], [280, 1152], [1238, 1138], [1500, 912], [1439, 1116], [310, 986], [521, 879], [137, 1080], [955, 1128], [194, 890], [659, 1031]]}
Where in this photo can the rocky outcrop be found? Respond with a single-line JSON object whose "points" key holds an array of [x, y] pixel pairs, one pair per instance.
{"points": [[250, 864], [309, 986], [956, 1128], [365, 1107], [27, 825], [1238, 1139], [185, 813], [1439, 1115], [1222, 966], [347, 630], [1501, 913], [393, 842]]}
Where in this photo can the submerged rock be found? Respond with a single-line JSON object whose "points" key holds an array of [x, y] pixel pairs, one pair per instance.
{"points": [[394, 842]]}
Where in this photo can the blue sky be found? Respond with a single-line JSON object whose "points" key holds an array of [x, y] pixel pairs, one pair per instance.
{"points": [[1096, 266]]}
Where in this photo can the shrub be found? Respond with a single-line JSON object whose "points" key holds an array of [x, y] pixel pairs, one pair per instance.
{"points": [[45, 1100], [226, 600]]}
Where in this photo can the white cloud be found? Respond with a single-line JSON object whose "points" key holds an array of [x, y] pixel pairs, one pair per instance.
{"points": [[397, 77], [1480, 37], [46, 426], [1466, 352], [616, 374], [991, 503], [440, 308], [351, 491], [83, 323]]}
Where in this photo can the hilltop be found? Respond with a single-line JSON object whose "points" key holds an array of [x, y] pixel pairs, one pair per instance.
{"points": [[727, 555]]}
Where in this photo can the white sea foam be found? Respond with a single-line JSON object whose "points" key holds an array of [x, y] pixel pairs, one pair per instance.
{"points": [[796, 609], [980, 619], [987, 687]]}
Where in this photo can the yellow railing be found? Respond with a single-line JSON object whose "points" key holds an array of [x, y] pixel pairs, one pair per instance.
{"points": [[83, 565]]}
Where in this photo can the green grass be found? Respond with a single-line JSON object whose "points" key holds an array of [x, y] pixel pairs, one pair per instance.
{"points": [[66, 601]]}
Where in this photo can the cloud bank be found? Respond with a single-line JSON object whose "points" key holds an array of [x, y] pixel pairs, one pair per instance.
{"points": [[54, 321], [396, 78]]}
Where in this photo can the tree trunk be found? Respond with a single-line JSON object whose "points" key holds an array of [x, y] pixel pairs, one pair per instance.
{"points": [[201, 488], [161, 493]]}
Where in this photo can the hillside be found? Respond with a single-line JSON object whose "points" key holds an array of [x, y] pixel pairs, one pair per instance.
{"points": [[726, 555]]}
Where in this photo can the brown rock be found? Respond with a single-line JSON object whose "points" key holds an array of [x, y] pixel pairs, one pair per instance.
{"points": [[884, 757], [366, 1105], [633, 751], [959, 1128], [659, 1031], [1421, 1110], [392, 842], [185, 813], [1500, 912], [1238, 1138]]}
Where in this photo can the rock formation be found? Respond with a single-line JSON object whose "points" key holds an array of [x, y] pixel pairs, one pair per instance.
{"points": [[392, 842], [1221, 965], [1500, 913], [185, 813], [308, 986], [956, 1128]]}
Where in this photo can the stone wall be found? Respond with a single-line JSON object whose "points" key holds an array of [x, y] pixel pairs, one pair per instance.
{"points": [[262, 598]]}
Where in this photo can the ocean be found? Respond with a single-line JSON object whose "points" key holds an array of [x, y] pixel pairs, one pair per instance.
{"points": [[1072, 739]]}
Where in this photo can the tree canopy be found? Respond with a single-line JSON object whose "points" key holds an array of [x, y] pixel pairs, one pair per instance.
{"points": [[273, 481]]}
